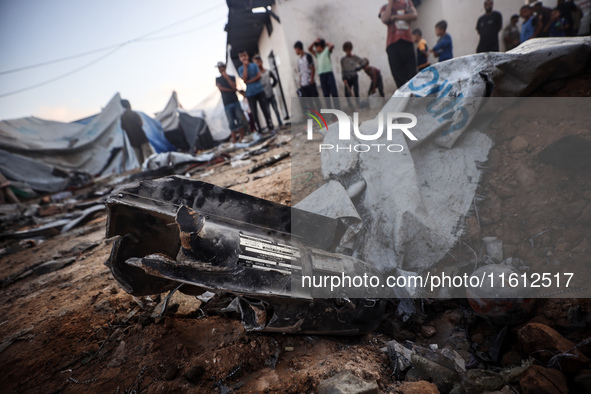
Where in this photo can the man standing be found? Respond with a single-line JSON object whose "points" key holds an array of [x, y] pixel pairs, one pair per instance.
{"points": [[511, 35], [488, 26], [323, 50], [528, 27], [132, 123], [307, 71], [227, 86], [542, 19], [397, 15], [251, 75], [269, 81]]}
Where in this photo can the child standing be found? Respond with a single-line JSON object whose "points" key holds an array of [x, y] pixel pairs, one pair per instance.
{"points": [[322, 50], [350, 64], [444, 48], [558, 25], [422, 49], [376, 79]]}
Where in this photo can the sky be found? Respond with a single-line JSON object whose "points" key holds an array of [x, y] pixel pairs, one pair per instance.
{"points": [[187, 40]]}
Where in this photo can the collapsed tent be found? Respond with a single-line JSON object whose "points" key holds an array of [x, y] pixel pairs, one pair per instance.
{"points": [[152, 128], [411, 206], [50, 156], [188, 131]]}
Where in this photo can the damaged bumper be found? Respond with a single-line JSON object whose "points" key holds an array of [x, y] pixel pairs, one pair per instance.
{"points": [[174, 231]]}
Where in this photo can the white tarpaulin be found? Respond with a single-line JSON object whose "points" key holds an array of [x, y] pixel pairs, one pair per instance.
{"points": [[414, 202], [48, 155]]}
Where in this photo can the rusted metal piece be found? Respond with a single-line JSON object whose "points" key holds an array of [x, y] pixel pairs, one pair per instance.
{"points": [[175, 231]]}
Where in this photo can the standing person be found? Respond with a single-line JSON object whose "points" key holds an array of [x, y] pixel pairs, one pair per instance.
{"points": [[350, 64], [567, 8], [511, 35], [227, 86], [542, 19], [376, 79], [307, 72], [422, 49], [255, 93], [444, 48], [558, 25], [322, 50], [488, 26], [528, 27], [397, 15], [132, 123], [269, 81]]}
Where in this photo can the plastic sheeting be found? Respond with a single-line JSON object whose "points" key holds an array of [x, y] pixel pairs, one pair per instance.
{"points": [[414, 202], [47, 155], [185, 129]]}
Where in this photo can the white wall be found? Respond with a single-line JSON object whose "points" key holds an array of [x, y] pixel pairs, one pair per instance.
{"points": [[357, 21], [283, 52]]}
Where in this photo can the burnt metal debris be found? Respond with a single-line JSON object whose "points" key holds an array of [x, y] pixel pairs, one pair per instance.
{"points": [[177, 231]]}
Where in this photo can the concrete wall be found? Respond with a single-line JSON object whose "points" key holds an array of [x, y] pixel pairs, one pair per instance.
{"points": [[277, 44], [357, 21]]}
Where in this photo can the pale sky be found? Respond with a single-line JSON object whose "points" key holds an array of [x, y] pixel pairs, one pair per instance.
{"points": [[145, 72]]}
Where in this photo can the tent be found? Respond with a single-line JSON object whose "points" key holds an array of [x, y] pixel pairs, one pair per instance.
{"points": [[50, 156], [187, 130]]}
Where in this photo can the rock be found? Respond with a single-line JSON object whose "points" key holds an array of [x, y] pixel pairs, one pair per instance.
{"points": [[540, 380], [194, 374], [494, 248], [518, 145], [168, 324], [171, 372], [511, 358], [485, 380], [420, 387], [425, 369], [118, 357], [428, 331], [547, 342], [347, 383], [477, 338], [525, 176]]}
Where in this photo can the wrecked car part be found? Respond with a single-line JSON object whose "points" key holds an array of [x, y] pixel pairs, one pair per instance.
{"points": [[174, 231]]}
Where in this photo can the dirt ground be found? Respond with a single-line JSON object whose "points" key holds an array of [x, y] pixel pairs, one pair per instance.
{"points": [[75, 330]]}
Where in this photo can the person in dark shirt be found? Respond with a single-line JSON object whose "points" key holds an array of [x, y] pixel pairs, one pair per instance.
{"points": [[132, 123], [444, 48], [227, 86], [558, 25], [567, 8], [488, 26], [542, 21]]}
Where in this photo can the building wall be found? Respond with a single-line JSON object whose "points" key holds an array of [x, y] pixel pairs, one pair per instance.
{"points": [[357, 21], [277, 44]]}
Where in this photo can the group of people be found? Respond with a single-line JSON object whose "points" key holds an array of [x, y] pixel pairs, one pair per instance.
{"points": [[259, 91], [406, 49], [350, 65], [540, 21]]}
